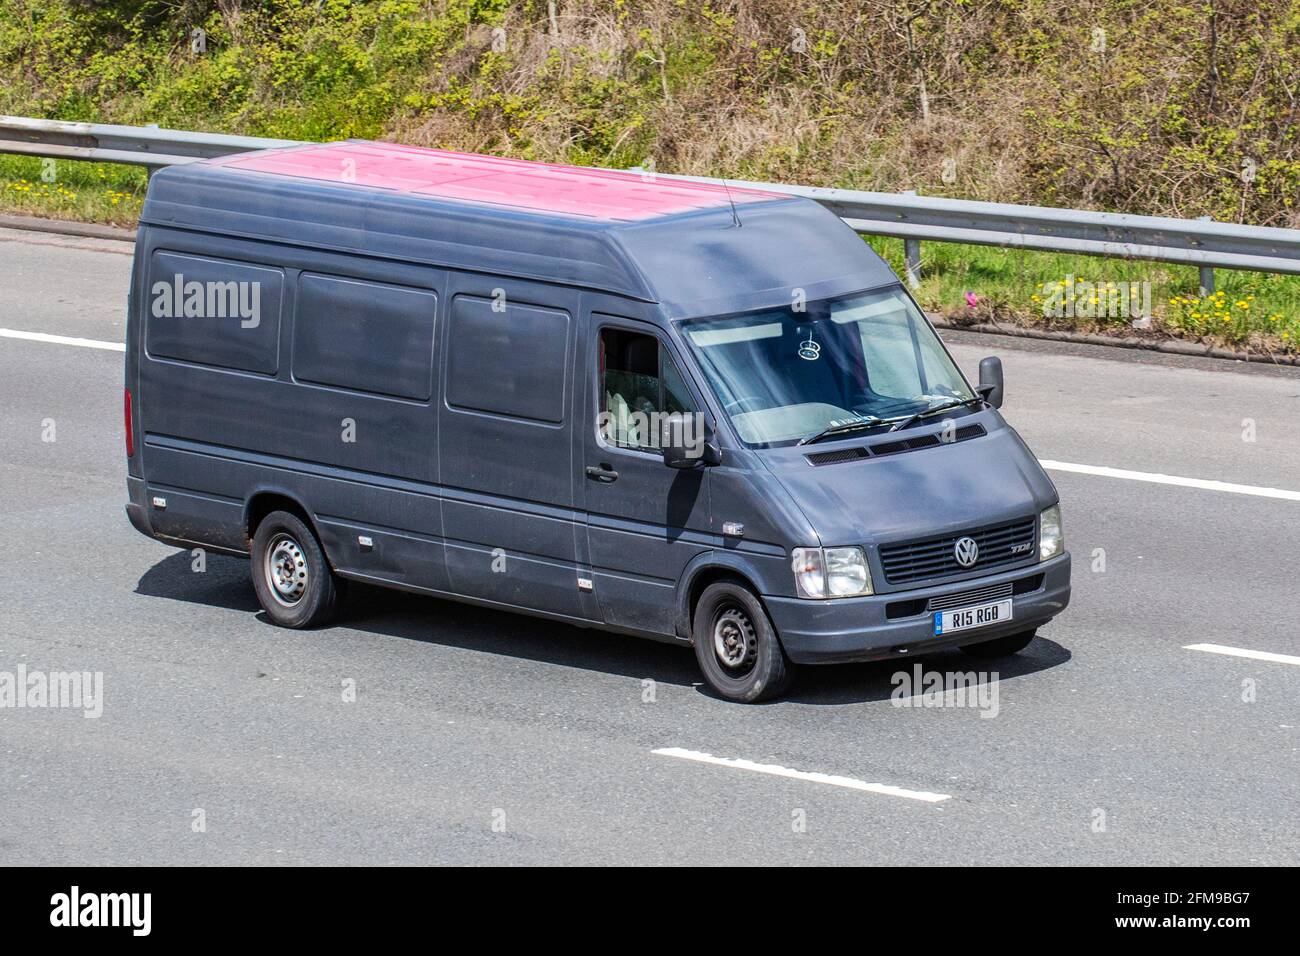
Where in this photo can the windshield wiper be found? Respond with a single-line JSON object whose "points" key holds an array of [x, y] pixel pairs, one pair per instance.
{"points": [[844, 428], [935, 410], [899, 423]]}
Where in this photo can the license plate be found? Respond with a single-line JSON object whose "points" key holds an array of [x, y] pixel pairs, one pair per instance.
{"points": [[963, 618]]}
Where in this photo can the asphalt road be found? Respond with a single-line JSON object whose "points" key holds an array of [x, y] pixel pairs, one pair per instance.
{"points": [[481, 737]]}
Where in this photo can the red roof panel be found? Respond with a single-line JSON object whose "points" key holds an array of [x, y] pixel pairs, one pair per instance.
{"points": [[517, 183]]}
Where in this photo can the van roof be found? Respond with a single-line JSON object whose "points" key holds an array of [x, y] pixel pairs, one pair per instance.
{"points": [[605, 194], [654, 239]]}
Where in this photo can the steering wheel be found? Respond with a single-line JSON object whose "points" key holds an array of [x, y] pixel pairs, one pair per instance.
{"points": [[727, 406]]}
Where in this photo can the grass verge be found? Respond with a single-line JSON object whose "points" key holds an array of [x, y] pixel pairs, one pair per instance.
{"points": [[62, 189], [1253, 311]]}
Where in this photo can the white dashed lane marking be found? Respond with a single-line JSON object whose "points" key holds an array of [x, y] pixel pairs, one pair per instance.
{"points": [[1227, 651], [775, 770]]}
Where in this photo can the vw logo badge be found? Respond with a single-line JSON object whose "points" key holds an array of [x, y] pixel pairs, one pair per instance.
{"points": [[966, 551]]}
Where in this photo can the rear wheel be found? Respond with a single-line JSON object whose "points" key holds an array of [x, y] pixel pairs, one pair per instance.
{"points": [[736, 645], [292, 578], [1001, 646]]}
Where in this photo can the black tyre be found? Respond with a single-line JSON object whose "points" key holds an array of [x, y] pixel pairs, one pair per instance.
{"points": [[736, 645], [293, 581], [1001, 646]]}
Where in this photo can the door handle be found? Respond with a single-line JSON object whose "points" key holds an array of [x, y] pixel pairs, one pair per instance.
{"points": [[601, 472]]}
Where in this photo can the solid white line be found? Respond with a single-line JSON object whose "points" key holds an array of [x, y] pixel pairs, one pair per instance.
{"points": [[778, 771], [62, 340], [1203, 483], [1243, 652], [1102, 471]]}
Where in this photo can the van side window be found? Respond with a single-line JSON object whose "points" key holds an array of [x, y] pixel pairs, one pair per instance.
{"points": [[507, 360], [639, 384], [365, 336], [213, 312]]}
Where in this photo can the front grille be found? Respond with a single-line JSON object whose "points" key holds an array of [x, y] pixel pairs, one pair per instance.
{"points": [[994, 592], [934, 558]]}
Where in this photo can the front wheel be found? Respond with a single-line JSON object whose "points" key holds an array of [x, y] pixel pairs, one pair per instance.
{"points": [[736, 645], [1001, 646], [292, 578]]}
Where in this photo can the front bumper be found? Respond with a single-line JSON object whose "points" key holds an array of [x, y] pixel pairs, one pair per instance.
{"points": [[860, 629]]}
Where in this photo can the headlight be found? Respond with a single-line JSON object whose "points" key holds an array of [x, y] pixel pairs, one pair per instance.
{"points": [[846, 572], [1051, 540], [830, 572]]}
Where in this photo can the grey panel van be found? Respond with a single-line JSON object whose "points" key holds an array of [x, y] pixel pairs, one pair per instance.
{"points": [[702, 415]]}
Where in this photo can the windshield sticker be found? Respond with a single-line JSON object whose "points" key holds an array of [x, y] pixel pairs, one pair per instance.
{"points": [[808, 349]]}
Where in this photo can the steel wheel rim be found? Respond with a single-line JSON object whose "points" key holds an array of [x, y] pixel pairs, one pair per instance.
{"points": [[285, 569], [735, 644]]}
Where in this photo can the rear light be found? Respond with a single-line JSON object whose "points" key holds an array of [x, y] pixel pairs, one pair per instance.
{"points": [[130, 433]]}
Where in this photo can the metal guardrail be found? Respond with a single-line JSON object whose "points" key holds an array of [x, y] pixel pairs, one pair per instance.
{"points": [[134, 145], [1193, 242], [909, 217]]}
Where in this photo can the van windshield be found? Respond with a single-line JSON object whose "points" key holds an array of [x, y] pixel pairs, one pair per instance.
{"points": [[790, 373]]}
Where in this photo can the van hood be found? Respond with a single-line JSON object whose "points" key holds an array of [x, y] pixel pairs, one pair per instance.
{"points": [[915, 494]]}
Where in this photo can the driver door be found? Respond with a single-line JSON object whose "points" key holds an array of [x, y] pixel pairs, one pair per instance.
{"points": [[645, 521]]}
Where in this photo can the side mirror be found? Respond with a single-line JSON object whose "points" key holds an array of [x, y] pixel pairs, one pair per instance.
{"points": [[687, 442], [990, 386]]}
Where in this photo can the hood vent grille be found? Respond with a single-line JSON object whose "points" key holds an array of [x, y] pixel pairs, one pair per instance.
{"points": [[899, 446], [835, 457]]}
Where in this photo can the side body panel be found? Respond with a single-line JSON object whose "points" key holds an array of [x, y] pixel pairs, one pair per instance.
{"points": [[211, 437], [507, 464]]}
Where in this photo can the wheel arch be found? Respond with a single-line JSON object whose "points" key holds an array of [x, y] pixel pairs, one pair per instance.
{"points": [[266, 500], [709, 568]]}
